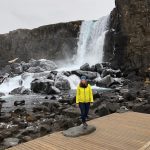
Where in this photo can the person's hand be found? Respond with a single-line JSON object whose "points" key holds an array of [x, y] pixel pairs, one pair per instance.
{"points": [[77, 105]]}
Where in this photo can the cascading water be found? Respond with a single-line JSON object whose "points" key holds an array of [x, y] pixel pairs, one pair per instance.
{"points": [[91, 42]]}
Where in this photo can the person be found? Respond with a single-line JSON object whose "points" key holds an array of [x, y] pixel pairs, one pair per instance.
{"points": [[84, 99]]}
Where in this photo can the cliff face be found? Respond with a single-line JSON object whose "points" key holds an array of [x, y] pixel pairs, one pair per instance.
{"points": [[53, 42], [127, 43]]}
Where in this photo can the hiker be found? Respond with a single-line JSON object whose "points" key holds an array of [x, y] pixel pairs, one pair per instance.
{"points": [[84, 99]]}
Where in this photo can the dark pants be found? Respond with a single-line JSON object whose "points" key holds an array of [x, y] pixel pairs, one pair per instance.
{"points": [[84, 108]]}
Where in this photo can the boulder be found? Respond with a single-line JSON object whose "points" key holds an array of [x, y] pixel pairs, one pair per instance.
{"points": [[5, 118], [113, 107], [79, 131], [102, 111], [88, 74], [142, 108], [62, 83], [85, 67], [122, 109], [20, 90], [2, 94], [41, 85], [25, 66], [17, 68], [98, 68], [105, 82], [41, 109], [44, 129], [71, 112], [26, 138], [28, 131], [112, 73], [35, 69], [46, 65], [129, 96], [19, 111], [22, 102], [53, 90], [9, 142], [106, 64]]}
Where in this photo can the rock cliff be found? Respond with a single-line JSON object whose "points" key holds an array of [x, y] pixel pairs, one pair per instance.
{"points": [[57, 41], [127, 44]]}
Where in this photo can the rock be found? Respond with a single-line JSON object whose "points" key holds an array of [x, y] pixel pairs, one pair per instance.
{"points": [[6, 70], [51, 76], [41, 85], [122, 109], [78, 131], [28, 131], [2, 100], [26, 138], [53, 107], [53, 90], [9, 142], [106, 64], [62, 83], [44, 129], [102, 111], [20, 90], [35, 69], [113, 107], [22, 124], [142, 108], [93, 69], [5, 118], [40, 108], [0, 108], [16, 103], [66, 100], [98, 68], [19, 111], [105, 82], [112, 73], [2, 94], [46, 65], [25, 66], [17, 68], [85, 67], [129, 96], [88, 74], [30, 117], [65, 123], [71, 112]]}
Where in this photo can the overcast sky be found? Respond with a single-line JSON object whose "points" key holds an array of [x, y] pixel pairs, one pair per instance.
{"points": [[16, 14]]}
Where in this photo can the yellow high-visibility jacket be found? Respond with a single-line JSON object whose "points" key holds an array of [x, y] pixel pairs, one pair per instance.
{"points": [[84, 95]]}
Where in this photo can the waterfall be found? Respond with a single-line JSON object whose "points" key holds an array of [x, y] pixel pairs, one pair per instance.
{"points": [[91, 42], [90, 50]]}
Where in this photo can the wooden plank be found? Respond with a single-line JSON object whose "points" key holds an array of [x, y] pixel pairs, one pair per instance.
{"points": [[127, 131]]}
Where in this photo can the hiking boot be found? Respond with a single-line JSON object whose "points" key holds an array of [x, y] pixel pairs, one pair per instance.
{"points": [[85, 125]]}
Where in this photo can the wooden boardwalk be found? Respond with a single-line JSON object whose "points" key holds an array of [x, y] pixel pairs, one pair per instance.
{"points": [[126, 131]]}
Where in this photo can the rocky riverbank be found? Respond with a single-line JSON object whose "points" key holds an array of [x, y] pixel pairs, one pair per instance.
{"points": [[48, 105]]}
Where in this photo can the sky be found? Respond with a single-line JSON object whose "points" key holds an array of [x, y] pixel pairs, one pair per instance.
{"points": [[30, 14]]}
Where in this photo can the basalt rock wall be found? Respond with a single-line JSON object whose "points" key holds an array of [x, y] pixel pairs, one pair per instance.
{"points": [[127, 43], [55, 42]]}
